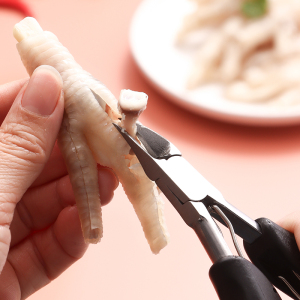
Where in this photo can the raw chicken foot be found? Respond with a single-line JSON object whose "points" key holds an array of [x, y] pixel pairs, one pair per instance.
{"points": [[88, 137]]}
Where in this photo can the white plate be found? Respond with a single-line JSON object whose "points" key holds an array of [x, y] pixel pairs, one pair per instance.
{"points": [[152, 39]]}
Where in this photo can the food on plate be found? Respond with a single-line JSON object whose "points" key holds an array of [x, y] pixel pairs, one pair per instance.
{"points": [[251, 47], [88, 137]]}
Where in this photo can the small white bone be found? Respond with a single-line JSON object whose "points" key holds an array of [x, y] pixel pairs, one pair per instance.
{"points": [[131, 104]]}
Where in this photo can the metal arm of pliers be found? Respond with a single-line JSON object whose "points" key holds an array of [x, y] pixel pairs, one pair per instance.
{"points": [[188, 191], [195, 199]]}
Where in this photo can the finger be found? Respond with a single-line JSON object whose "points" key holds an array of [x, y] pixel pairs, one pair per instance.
{"points": [[8, 93], [292, 223], [54, 169], [45, 255], [108, 182], [40, 206], [27, 136]]}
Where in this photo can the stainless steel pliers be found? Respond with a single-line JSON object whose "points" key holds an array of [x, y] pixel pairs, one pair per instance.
{"points": [[273, 250]]}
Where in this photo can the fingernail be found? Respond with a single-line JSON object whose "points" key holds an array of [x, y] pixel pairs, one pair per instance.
{"points": [[43, 91]]}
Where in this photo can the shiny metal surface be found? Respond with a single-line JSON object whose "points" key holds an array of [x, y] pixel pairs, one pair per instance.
{"points": [[290, 287], [175, 176], [231, 229], [196, 215], [209, 234]]}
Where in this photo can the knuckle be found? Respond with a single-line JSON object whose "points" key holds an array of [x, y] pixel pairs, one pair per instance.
{"points": [[21, 141]]}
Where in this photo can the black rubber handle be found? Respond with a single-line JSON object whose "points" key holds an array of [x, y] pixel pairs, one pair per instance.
{"points": [[277, 255], [236, 278]]}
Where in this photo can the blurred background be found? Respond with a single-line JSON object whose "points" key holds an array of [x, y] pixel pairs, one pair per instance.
{"points": [[256, 168]]}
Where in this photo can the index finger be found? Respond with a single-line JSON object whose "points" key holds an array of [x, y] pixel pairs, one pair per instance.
{"points": [[8, 93]]}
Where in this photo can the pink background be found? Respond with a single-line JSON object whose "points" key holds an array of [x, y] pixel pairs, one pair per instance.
{"points": [[256, 169]]}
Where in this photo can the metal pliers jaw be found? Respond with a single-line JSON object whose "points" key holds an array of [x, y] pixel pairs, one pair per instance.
{"points": [[189, 192], [197, 201]]}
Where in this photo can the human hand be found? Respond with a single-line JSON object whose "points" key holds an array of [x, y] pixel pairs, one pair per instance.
{"points": [[291, 223], [40, 233]]}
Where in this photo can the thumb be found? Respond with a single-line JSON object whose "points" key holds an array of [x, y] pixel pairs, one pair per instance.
{"points": [[291, 223], [27, 136]]}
